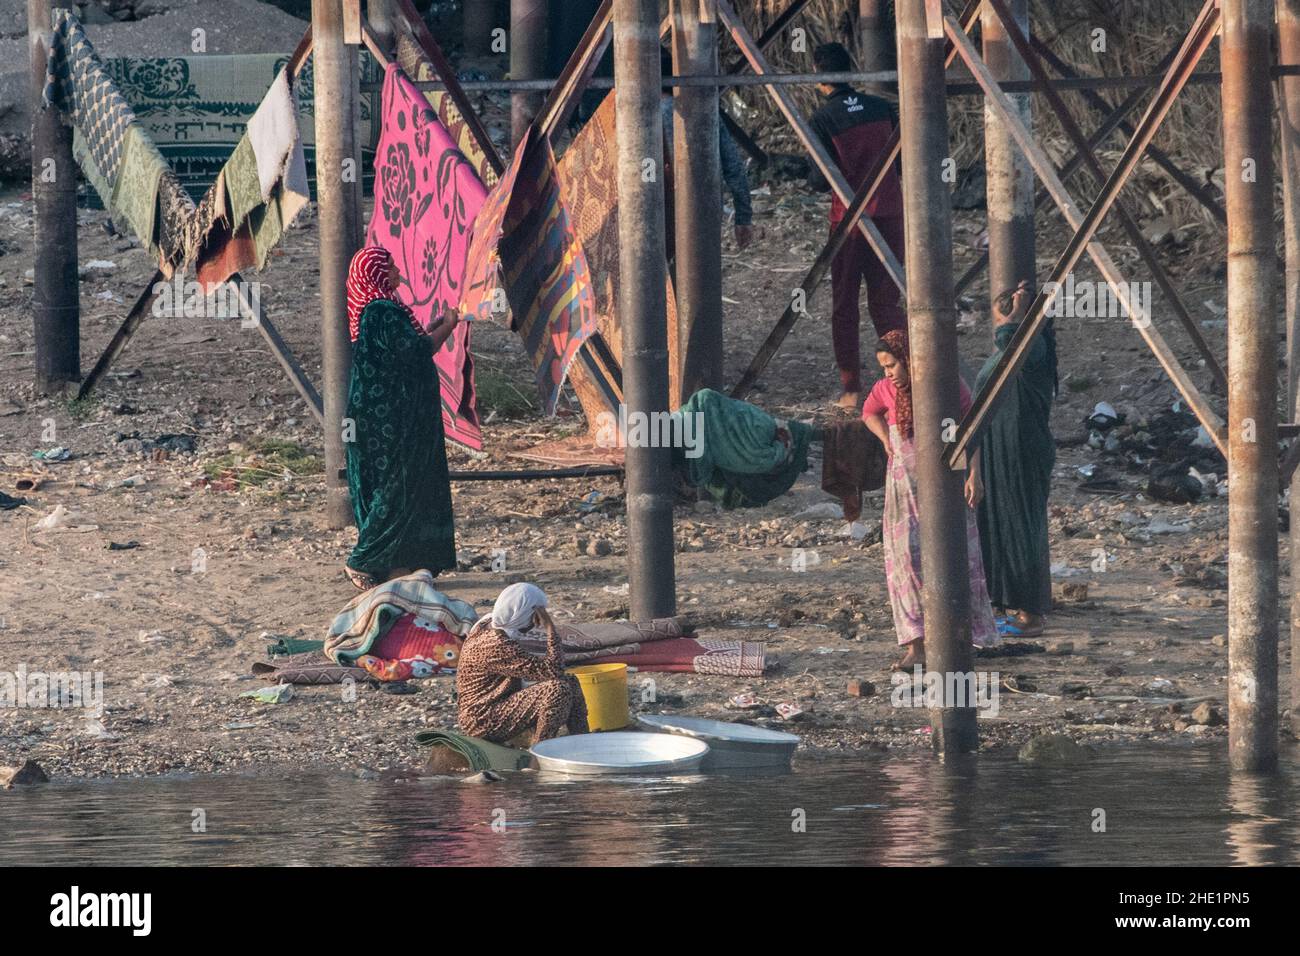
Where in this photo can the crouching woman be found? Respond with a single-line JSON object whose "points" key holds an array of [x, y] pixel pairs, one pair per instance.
{"points": [[493, 703]]}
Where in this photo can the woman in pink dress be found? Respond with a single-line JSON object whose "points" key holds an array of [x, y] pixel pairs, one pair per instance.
{"points": [[888, 413]]}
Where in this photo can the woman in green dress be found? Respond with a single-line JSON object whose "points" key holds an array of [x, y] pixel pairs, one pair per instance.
{"points": [[1018, 452], [397, 454]]}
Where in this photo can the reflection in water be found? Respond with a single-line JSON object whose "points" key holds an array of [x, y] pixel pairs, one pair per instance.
{"points": [[1166, 805]]}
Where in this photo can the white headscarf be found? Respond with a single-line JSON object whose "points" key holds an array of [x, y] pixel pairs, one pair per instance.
{"points": [[515, 607]]}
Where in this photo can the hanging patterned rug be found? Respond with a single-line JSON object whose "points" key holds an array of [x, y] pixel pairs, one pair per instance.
{"points": [[426, 197]]}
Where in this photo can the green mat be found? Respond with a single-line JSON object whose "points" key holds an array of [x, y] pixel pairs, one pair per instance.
{"points": [[284, 646], [481, 754]]}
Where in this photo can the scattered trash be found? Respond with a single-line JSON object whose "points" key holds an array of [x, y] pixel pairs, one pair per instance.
{"points": [[123, 545], [1175, 487], [824, 510], [135, 481], [1160, 685], [744, 702], [1209, 481], [61, 519], [620, 589], [275, 694], [855, 531], [165, 442], [151, 637], [1161, 526], [239, 725], [1104, 417], [1203, 439], [58, 453], [93, 727], [789, 711], [1062, 570], [95, 265], [9, 504], [861, 688]]}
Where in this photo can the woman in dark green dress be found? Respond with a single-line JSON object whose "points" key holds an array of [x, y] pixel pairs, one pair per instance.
{"points": [[397, 454], [1018, 452]]}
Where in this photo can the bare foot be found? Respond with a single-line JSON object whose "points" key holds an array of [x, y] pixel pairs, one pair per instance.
{"points": [[1022, 624], [915, 657]]}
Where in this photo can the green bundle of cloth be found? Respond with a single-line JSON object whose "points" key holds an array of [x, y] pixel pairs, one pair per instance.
{"points": [[481, 754], [737, 453]]}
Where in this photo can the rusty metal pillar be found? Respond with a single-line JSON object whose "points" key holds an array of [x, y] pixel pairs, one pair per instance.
{"points": [[1245, 54], [932, 322], [1288, 39], [337, 177], [56, 306], [642, 304], [527, 61], [697, 197], [1010, 178], [873, 36]]}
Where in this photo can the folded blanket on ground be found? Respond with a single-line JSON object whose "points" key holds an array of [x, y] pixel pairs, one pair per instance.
{"points": [[586, 642], [480, 754], [743, 456], [690, 655], [368, 616], [311, 667], [663, 644]]}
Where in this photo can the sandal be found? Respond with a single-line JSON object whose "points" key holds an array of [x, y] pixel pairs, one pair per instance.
{"points": [[360, 580], [1007, 628]]}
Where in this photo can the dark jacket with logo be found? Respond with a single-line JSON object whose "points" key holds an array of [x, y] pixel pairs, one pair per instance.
{"points": [[855, 128]]}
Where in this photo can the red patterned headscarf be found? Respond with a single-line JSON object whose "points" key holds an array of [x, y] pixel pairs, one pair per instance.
{"points": [[368, 280], [895, 343]]}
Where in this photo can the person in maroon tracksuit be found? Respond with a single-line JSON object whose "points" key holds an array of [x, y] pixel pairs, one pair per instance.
{"points": [[855, 129]]}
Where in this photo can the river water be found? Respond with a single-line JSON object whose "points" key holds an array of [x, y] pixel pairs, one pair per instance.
{"points": [[1170, 804]]}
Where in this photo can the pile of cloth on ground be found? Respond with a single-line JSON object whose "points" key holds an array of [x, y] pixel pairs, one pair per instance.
{"points": [[738, 454], [665, 644], [400, 630]]}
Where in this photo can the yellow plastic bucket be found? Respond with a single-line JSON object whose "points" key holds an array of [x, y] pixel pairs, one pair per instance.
{"points": [[604, 687]]}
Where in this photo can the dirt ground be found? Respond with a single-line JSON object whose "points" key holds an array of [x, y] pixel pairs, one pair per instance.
{"points": [[175, 646]]}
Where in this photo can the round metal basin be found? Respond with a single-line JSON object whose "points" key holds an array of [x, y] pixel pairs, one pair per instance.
{"points": [[730, 745], [620, 752]]}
